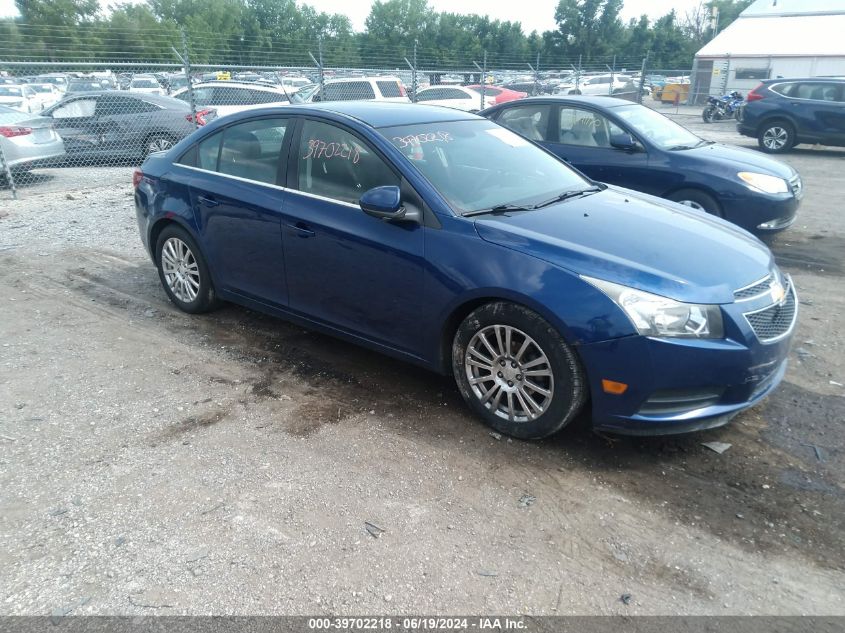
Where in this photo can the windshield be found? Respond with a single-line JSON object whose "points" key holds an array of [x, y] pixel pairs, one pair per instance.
{"points": [[657, 128], [144, 83], [479, 165], [41, 87], [6, 91]]}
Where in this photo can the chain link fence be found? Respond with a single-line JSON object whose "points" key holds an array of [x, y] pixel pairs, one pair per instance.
{"points": [[67, 125]]}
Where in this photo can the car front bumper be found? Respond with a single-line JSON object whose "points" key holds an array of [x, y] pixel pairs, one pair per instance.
{"points": [[682, 385], [763, 213]]}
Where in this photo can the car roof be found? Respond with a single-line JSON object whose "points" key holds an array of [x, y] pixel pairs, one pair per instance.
{"points": [[599, 102], [245, 85], [836, 79], [141, 96], [375, 114], [338, 80]]}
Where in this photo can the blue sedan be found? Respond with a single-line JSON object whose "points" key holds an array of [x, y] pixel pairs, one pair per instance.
{"points": [[441, 238], [630, 145]]}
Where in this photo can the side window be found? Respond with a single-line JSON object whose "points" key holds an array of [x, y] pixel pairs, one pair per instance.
{"points": [[252, 149], [785, 89], [349, 91], [260, 96], [389, 89], [583, 127], [202, 96], [76, 109], [451, 93], [336, 164], [207, 152], [816, 91], [427, 95], [532, 122]]}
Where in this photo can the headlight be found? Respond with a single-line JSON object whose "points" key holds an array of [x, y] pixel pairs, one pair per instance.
{"points": [[654, 315], [764, 183]]}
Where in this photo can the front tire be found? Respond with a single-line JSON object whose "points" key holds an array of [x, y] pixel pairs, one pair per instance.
{"points": [[709, 114], [183, 272], [696, 199], [776, 137], [516, 372]]}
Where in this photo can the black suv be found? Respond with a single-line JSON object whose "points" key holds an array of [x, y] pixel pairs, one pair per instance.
{"points": [[780, 113]]}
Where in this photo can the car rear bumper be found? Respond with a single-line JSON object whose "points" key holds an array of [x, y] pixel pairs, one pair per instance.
{"points": [[682, 385], [20, 151]]}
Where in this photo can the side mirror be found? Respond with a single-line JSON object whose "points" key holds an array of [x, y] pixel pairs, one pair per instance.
{"points": [[385, 203], [624, 142]]}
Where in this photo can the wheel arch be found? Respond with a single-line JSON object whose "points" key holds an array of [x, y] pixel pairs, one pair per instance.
{"points": [[162, 223], [460, 312], [774, 117]]}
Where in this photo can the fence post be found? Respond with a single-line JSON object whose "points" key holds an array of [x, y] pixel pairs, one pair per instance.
{"points": [[483, 79], [612, 76], [537, 75], [578, 75], [322, 74], [643, 69], [5, 167], [186, 65], [413, 68], [319, 65]]}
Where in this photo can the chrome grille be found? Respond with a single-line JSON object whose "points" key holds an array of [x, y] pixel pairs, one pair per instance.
{"points": [[754, 290], [796, 186], [776, 321]]}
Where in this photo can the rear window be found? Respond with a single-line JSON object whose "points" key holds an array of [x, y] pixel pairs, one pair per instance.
{"points": [[816, 91], [389, 89], [348, 91]]}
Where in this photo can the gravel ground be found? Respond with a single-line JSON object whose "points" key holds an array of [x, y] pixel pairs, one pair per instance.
{"points": [[157, 463]]}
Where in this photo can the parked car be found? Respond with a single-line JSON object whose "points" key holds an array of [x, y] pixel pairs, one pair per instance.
{"points": [[117, 124], [530, 88], [781, 113], [499, 94], [20, 97], [294, 83], [443, 239], [85, 85], [27, 140], [46, 94], [228, 97], [604, 85], [457, 97], [146, 84], [359, 89], [633, 146]]}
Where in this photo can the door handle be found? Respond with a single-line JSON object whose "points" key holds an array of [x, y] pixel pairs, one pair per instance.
{"points": [[209, 202], [302, 230]]}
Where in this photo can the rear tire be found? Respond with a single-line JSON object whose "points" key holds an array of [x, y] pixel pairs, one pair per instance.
{"points": [[696, 199], [157, 143], [516, 372], [183, 271], [776, 137]]}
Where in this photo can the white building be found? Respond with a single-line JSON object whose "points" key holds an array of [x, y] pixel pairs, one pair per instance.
{"points": [[773, 38]]}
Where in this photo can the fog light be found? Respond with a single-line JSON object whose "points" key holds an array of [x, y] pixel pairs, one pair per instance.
{"points": [[613, 387]]}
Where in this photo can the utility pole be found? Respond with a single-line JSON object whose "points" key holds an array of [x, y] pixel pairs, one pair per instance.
{"points": [[483, 70], [642, 77]]}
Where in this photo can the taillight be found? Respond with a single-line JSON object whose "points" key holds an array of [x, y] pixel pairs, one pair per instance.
{"points": [[137, 177], [200, 117], [10, 131], [402, 92], [754, 95]]}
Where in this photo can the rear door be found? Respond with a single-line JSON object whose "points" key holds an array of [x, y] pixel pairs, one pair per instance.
{"points": [[75, 122], [123, 124], [347, 269], [820, 109], [236, 184]]}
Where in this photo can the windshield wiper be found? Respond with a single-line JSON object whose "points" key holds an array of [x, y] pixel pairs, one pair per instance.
{"points": [[566, 195], [700, 143], [499, 208]]}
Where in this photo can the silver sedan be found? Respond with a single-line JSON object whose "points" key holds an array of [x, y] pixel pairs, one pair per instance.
{"points": [[26, 139]]}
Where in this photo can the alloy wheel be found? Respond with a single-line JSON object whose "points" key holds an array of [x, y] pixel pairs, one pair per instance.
{"points": [[775, 137], [692, 204], [159, 144], [509, 373], [180, 268]]}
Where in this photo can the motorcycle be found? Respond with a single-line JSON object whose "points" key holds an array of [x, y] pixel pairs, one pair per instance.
{"points": [[724, 107]]}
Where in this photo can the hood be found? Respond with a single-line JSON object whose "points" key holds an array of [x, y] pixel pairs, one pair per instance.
{"points": [[741, 159], [639, 241]]}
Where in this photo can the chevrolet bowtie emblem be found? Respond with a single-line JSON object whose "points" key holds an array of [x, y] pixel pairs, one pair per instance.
{"points": [[777, 291]]}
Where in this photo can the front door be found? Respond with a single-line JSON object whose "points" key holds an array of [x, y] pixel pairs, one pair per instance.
{"points": [[344, 268], [581, 136], [237, 194]]}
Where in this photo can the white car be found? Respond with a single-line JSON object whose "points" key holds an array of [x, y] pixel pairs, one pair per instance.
{"points": [[295, 83], [20, 97], [596, 85], [27, 139], [147, 84], [45, 94], [228, 97], [456, 97], [359, 89]]}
